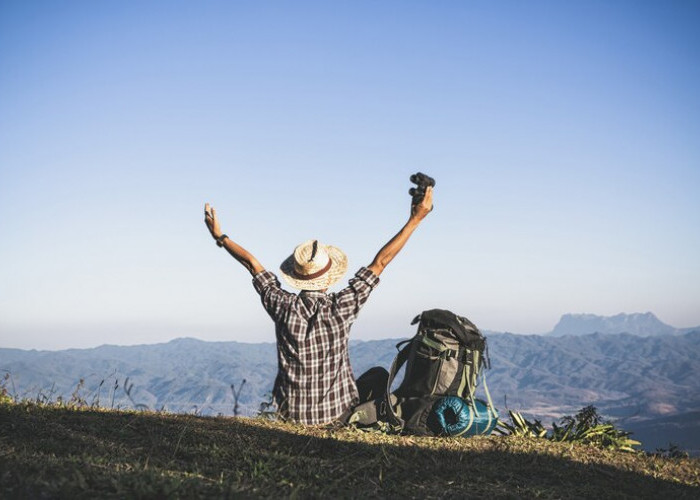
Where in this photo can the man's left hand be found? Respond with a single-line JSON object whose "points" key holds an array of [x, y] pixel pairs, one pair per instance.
{"points": [[420, 210]]}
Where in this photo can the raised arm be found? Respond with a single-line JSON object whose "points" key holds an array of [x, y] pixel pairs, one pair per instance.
{"points": [[389, 251], [237, 252]]}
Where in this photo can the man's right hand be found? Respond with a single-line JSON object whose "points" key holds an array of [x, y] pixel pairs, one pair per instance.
{"points": [[420, 210], [238, 252], [211, 221]]}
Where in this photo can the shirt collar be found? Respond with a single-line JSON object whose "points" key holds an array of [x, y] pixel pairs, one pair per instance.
{"points": [[313, 293]]}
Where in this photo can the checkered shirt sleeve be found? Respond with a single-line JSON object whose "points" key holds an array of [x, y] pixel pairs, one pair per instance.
{"points": [[315, 383]]}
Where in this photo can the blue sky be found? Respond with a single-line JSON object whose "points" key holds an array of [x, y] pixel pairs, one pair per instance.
{"points": [[563, 137]]}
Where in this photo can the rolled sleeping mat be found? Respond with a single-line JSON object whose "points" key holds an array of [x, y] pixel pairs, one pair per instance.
{"points": [[454, 416]]}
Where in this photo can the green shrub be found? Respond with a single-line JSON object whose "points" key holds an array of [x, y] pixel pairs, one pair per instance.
{"points": [[586, 427]]}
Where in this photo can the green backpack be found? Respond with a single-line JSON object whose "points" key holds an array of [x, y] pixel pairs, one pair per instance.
{"points": [[443, 360]]}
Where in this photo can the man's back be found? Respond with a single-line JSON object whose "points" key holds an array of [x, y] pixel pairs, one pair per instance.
{"points": [[314, 383]]}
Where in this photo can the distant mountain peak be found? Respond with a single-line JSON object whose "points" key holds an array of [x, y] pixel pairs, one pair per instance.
{"points": [[185, 341], [642, 324]]}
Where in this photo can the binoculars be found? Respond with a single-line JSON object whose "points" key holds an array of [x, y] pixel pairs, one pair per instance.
{"points": [[422, 181]]}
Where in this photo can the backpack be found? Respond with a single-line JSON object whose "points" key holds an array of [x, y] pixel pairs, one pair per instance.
{"points": [[436, 397]]}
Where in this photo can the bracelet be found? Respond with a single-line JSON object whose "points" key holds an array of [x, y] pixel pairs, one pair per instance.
{"points": [[220, 240]]}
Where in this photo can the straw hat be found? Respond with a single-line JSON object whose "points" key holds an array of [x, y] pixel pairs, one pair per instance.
{"points": [[314, 266]]}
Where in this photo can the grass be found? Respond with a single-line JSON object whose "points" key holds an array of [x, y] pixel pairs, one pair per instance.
{"points": [[47, 451]]}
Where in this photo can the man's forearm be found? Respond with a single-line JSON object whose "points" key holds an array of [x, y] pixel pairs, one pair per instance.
{"points": [[243, 256], [389, 251]]}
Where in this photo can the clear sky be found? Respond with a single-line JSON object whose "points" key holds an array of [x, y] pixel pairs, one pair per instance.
{"points": [[564, 138]]}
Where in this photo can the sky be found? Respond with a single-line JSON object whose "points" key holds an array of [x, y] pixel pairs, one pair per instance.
{"points": [[563, 137]]}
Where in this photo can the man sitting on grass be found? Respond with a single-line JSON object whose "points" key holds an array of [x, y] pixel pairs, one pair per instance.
{"points": [[315, 383]]}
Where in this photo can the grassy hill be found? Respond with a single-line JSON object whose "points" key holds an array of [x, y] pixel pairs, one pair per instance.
{"points": [[68, 453]]}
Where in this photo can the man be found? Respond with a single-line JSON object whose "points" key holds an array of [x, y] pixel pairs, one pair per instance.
{"points": [[315, 383]]}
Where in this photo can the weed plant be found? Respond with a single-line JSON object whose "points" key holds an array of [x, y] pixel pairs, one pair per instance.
{"points": [[586, 427]]}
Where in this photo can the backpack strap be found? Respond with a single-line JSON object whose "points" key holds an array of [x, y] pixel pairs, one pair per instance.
{"points": [[472, 361], [388, 409], [491, 409]]}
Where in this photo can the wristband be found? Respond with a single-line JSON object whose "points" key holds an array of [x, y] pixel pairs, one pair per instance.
{"points": [[220, 240]]}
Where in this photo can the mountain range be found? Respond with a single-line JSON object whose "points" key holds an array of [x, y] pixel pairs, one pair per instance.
{"points": [[642, 324], [648, 382]]}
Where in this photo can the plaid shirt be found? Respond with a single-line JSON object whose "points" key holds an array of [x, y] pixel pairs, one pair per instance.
{"points": [[314, 383]]}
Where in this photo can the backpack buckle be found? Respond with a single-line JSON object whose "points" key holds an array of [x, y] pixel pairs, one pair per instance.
{"points": [[449, 354]]}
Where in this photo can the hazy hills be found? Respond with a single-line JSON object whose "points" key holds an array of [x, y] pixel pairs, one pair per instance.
{"points": [[181, 375], [637, 379]]}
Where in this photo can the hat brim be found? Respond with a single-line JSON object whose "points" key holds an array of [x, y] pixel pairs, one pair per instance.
{"points": [[339, 266]]}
